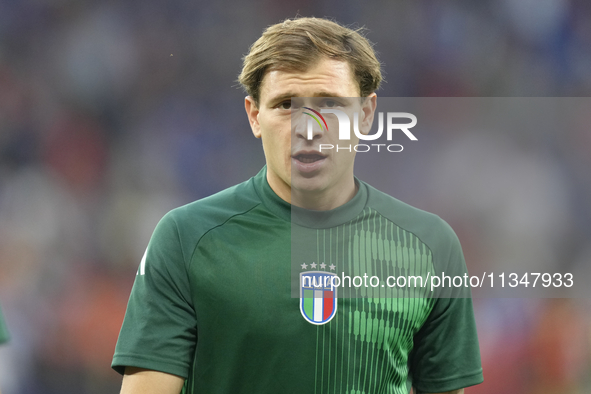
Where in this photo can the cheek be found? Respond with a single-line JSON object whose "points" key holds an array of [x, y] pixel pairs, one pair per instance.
{"points": [[277, 139], [277, 148]]}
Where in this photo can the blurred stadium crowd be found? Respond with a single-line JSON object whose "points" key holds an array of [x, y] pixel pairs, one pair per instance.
{"points": [[114, 112]]}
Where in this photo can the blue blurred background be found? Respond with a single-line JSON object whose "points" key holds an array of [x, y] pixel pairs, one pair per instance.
{"points": [[114, 112]]}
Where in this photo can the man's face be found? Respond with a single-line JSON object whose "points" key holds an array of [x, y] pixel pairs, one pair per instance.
{"points": [[297, 170]]}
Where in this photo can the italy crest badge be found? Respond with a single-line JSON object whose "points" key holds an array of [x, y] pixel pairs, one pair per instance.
{"points": [[318, 296]]}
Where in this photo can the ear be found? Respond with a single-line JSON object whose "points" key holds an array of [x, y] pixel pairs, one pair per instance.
{"points": [[252, 112], [368, 109]]}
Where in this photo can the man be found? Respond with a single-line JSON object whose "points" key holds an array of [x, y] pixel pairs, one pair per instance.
{"points": [[3, 329], [211, 310], [3, 332]]}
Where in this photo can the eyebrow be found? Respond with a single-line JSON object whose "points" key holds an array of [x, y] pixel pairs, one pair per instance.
{"points": [[289, 95]]}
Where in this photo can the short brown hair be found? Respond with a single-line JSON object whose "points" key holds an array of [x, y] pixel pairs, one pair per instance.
{"points": [[297, 44]]}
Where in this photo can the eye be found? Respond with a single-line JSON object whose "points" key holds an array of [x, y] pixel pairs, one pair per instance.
{"points": [[330, 103], [285, 104]]}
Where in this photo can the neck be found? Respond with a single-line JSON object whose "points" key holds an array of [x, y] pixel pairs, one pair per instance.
{"points": [[320, 200]]}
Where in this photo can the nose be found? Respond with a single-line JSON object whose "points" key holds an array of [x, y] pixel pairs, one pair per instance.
{"points": [[307, 125]]}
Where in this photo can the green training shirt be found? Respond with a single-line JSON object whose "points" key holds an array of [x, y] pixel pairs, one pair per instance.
{"points": [[213, 300]]}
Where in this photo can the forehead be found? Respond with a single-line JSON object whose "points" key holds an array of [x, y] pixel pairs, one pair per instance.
{"points": [[326, 78]]}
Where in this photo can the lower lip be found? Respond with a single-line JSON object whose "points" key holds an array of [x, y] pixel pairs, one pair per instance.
{"points": [[307, 168]]}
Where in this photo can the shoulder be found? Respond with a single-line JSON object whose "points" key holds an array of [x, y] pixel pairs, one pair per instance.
{"points": [[217, 208], [432, 230], [405, 215], [190, 222]]}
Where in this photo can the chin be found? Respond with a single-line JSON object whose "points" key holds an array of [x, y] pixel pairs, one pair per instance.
{"points": [[312, 185]]}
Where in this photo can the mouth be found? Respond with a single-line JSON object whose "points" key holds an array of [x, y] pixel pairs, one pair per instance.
{"points": [[308, 158], [308, 163]]}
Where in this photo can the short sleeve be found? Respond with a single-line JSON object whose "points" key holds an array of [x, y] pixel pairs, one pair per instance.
{"points": [[446, 354], [159, 331]]}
